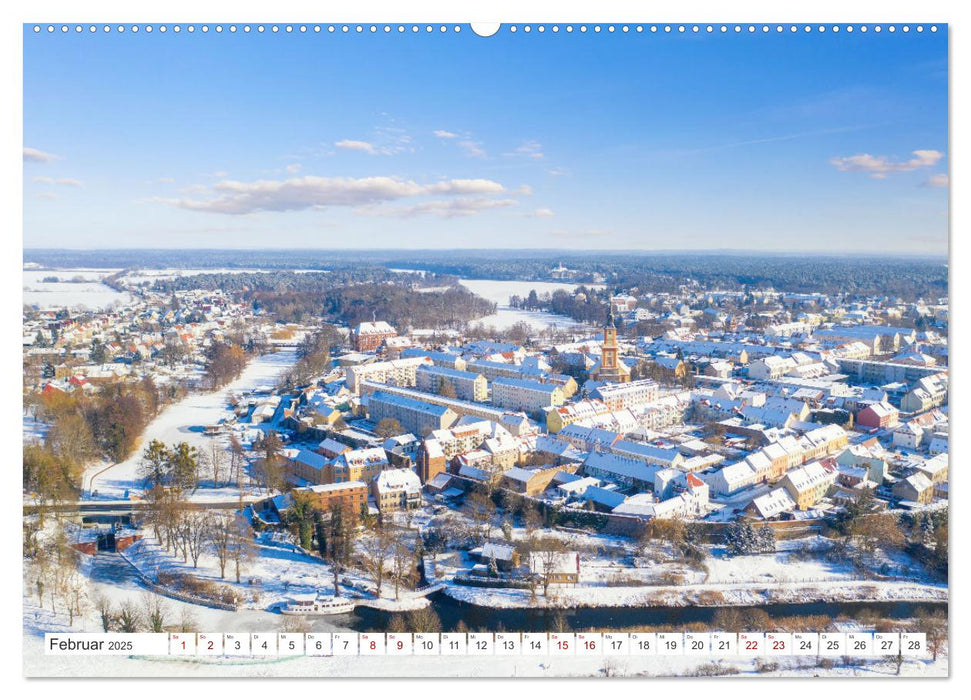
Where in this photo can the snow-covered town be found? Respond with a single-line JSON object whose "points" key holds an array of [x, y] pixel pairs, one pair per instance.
{"points": [[564, 451]]}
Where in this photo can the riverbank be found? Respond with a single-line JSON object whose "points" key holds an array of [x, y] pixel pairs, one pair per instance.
{"points": [[713, 596], [184, 420]]}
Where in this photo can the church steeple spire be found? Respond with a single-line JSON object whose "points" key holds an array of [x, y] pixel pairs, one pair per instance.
{"points": [[611, 368]]}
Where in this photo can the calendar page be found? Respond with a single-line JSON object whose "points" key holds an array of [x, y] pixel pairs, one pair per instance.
{"points": [[527, 349]]}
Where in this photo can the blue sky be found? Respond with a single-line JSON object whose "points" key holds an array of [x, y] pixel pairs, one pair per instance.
{"points": [[817, 142]]}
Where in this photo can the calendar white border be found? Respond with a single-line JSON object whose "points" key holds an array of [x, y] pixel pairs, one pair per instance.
{"points": [[440, 10]]}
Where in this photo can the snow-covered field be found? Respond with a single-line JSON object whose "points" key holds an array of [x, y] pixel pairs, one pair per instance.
{"points": [[183, 421], [32, 277], [87, 295], [499, 291], [615, 573]]}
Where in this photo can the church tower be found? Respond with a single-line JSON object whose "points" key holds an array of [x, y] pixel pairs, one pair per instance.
{"points": [[611, 369]]}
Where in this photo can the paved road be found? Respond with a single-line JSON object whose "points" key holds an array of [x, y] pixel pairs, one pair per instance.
{"points": [[111, 568]]}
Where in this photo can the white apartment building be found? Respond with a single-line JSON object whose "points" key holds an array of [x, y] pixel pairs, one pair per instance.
{"points": [[468, 386], [394, 372], [524, 395]]}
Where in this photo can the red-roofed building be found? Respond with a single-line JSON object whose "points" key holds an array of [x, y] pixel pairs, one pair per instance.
{"points": [[878, 415]]}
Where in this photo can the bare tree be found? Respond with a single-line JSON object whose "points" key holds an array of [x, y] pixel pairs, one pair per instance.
{"points": [[221, 532], [547, 555], [532, 518], [377, 546], [402, 573], [335, 539], [876, 530], [934, 625], [195, 535], [237, 460], [388, 427], [482, 511], [187, 620], [105, 611], [216, 462], [75, 588], [269, 472], [242, 550], [129, 619], [56, 582], [154, 611], [423, 620], [170, 512]]}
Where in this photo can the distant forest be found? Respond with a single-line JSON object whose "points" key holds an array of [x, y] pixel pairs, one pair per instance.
{"points": [[905, 277], [347, 297]]}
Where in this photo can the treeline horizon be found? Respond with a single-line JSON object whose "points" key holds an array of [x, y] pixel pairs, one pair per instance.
{"points": [[909, 277]]}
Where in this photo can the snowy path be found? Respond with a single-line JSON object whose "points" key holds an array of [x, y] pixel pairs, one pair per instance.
{"points": [[183, 421]]}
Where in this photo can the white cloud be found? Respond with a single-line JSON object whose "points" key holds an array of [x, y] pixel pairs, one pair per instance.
{"points": [[465, 186], [525, 189], [445, 208], [69, 181], [557, 172], [544, 213], [297, 194], [938, 180], [293, 168], [391, 141], [880, 166], [46, 195], [473, 148], [352, 145], [530, 149], [32, 155], [465, 141]]}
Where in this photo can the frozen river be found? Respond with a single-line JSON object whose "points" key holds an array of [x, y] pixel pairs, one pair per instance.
{"points": [[183, 421], [505, 317]]}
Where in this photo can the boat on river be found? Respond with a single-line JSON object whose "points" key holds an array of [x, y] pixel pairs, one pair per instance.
{"points": [[317, 605]]}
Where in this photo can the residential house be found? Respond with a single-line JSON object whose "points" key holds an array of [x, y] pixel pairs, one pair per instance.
{"points": [[368, 336], [878, 415], [350, 496], [396, 489], [529, 482], [808, 484], [916, 488], [359, 465], [633, 474], [731, 479], [555, 567], [771, 504]]}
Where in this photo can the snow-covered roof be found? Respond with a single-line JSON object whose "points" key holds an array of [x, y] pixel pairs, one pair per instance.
{"points": [[775, 502], [398, 480]]}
